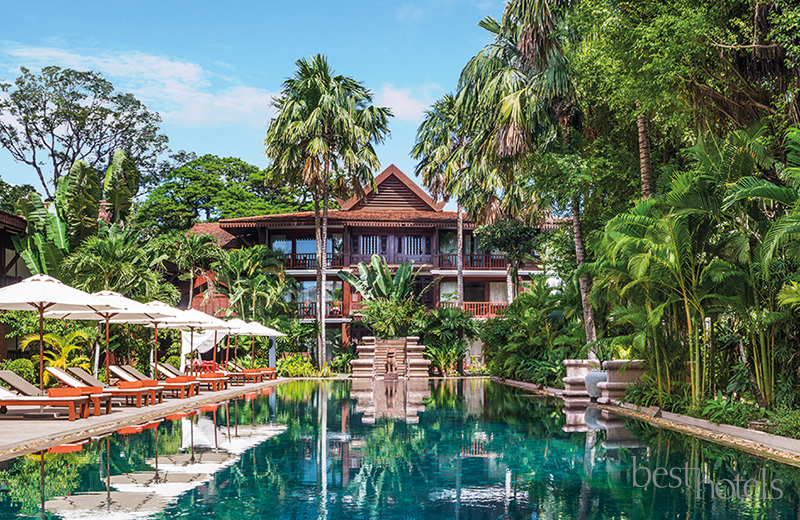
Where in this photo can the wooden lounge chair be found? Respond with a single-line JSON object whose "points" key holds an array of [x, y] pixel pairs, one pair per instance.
{"points": [[96, 395], [179, 387], [137, 395], [266, 372], [78, 405], [214, 380]]}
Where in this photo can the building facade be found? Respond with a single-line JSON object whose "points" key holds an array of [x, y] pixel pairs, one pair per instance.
{"points": [[396, 220]]}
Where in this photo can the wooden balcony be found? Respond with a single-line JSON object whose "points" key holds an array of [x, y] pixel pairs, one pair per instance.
{"points": [[479, 309], [309, 260], [485, 261], [309, 310]]}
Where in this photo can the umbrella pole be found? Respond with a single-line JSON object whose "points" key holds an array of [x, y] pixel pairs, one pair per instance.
{"points": [[214, 354], [191, 348], [41, 351], [235, 348], [155, 353], [107, 379], [253, 350], [228, 351]]}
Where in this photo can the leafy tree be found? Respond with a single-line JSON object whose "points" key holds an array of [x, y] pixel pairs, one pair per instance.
{"points": [[11, 193], [208, 188], [194, 254], [323, 138], [51, 120], [516, 240]]}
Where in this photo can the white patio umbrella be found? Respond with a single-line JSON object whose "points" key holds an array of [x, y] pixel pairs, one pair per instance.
{"points": [[127, 311], [238, 328], [192, 320], [254, 328], [43, 293]]}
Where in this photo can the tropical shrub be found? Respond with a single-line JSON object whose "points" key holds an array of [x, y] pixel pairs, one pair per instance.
{"points": [[391, 318], [22, 367], [785, 422], [296, 366], [375, 281], [446, 334], [174, 361], [541, 328], [341, 360], [724, 409], [61, 351]]}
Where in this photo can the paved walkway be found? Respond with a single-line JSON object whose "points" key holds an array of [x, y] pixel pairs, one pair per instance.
{"points": [[19, 435]]}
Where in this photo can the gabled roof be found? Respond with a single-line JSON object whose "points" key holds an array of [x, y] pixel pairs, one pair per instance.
{"points": [[393, 191], [12, 222], [224, 239]]}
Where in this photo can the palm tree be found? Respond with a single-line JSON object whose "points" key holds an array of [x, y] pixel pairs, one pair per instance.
{"points": [[522, 85], [118, 261], [193, 253], [438, 136], [65, 351], [323, 138]]}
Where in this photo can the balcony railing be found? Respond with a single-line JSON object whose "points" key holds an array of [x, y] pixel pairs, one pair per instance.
{"points": [[309, 260], [480, 309], [484, 261], [309, 310]]}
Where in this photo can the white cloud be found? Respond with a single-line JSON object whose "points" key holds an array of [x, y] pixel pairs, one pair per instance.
{"points": [[408, 104], [183, 92]]}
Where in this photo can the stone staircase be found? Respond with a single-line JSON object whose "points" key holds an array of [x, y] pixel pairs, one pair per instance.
{"points": [[372, 353]]}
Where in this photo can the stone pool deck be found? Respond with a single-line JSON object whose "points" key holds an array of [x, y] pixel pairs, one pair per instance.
{"points": [[20, 435], [776, 447]]}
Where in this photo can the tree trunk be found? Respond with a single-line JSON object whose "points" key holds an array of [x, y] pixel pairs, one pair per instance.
{"points": [[645, 166], [460, 259], [324, 249], [191, 288], [585, 285], [509, 285], [318, 289]]}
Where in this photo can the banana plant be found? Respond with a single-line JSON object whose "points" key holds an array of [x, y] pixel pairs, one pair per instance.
{"points": [[375, 281], [44, 244], [120, 186]]}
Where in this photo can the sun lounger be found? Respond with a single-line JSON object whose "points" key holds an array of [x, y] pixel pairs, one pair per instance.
{"points": [[136, 394], [214, 380], [182, 388], [266, 372], [96, 395], [78, 405]]}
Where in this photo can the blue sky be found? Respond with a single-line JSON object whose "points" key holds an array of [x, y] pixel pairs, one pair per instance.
{"points": [[211, 68]]}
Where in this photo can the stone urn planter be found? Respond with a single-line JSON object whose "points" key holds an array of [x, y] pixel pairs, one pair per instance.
{"points": [[620, 374], [591, 381]]}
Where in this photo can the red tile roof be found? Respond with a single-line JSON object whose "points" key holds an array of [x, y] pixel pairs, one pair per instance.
{"points": [[224, 239], [352, 218], [13, 221]]}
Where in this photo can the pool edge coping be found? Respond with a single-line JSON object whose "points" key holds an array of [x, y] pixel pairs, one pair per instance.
{"points": [[32, 445], [766, 445]]}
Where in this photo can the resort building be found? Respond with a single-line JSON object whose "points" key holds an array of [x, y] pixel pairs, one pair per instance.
{"points": [[396, 220]]}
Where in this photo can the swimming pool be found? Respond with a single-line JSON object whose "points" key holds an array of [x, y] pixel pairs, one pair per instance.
{"points": [[464, 449]]}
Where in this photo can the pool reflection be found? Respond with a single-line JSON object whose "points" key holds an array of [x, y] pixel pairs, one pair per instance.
{"points": [[452, 449]]}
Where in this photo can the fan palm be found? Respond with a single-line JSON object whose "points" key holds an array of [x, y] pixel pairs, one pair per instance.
{"points": [[323, 138]]}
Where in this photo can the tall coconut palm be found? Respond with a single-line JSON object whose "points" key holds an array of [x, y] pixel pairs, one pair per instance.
{"points": [[323, 138], [439, 135], [523, 82]]}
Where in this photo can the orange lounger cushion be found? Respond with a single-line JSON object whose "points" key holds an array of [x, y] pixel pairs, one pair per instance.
{"points": [[89, 390], [148, 383], [129, 385], [251, 371], [179, 379], [64, 392], [212, 375]]}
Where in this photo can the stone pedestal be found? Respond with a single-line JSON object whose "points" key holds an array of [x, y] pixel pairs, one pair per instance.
{"points": [[575, 394], [371, 360], [620, 374]]}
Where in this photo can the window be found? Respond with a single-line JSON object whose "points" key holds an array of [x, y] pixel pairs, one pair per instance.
{"points": [[414, 245], [306, 244], [372, 245], [448, 291], [498, 292], [280, 244], [475, 291], [335, 243], [448, 243]]}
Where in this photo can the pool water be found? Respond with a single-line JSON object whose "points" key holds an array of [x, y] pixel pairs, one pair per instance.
{"points": [[464, 449]]}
